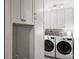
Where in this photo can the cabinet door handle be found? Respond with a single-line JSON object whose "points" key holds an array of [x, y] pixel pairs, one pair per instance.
{"points": [[23, 20]]}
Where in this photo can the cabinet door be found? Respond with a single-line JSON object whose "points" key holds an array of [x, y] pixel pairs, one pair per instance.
{"points": [[53, 19], [68, 17], [27, 11], [15, 10], [60, 18], [47, 20]]}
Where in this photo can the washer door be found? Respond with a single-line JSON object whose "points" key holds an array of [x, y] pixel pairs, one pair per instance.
{"points": [[49, 46], [64, 47]]}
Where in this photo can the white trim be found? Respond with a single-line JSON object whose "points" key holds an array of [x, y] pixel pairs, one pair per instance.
{"points": [[8, 31]]}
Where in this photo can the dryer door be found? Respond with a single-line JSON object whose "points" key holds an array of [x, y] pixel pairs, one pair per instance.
{"points": [[49, 46], [64, 47]]}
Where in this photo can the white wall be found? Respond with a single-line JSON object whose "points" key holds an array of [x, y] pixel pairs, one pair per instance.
{"points": [[39, 33]]}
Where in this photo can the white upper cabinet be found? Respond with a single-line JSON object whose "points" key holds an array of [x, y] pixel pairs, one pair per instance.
{"points": [[53, 19], [22, 11], [69, 18], [15, 10], [27, 11], [60, 18], [58, 14], [47, 20]]}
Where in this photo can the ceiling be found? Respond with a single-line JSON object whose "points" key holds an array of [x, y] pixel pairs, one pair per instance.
{"points": [[65, 3]]}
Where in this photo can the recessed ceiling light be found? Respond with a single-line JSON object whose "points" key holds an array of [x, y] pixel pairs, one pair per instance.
{"points": [[61, 6]]}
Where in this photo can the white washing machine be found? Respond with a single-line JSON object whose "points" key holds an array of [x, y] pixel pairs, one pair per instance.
{"points": [[64, 47], [50, 46]]}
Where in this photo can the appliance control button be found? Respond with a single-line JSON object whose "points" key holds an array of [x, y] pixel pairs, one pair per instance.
{"points": [[69, 39], [63, 38], [52, 38]]}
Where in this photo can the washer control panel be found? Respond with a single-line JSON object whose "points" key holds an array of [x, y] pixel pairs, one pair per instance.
{"points": [[52, 37], [69, 39]]}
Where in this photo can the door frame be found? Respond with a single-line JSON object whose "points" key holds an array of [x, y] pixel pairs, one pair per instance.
{"points": [[8, 30]]}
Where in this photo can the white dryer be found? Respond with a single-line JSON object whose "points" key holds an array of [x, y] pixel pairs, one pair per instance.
{"points": [[64, 47], [50, 46]]}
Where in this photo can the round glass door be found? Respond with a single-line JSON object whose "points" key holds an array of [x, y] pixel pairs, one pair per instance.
{"points": [[49, 46], [64, 47]]}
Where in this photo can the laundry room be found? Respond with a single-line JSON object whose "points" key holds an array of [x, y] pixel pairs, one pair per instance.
{"points": [[39, 29], [58, 26]]}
